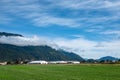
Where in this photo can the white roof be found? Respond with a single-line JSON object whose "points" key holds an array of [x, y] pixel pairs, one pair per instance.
{"points": [[38, 61]]}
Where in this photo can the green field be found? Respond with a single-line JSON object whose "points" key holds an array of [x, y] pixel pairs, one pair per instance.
{"points": [[60, 72]]}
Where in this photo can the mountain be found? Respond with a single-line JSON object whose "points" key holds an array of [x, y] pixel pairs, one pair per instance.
{"points": [[110, 58], [9, 34], [11, 52]]}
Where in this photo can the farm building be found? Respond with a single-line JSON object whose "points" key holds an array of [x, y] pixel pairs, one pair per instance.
{"points": [[58, 62], [73, 62], [38, 62], [3, 63], [64, 62]]}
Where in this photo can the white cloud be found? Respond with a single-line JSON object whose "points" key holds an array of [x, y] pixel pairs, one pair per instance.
{"points": [[112, 4], [90, 49], [77, 36], [75, 43], [48, 20], [109, 32], [22, 41], [89, 4], [36, 13], [83, 47], [4, 19], [39, 14]]}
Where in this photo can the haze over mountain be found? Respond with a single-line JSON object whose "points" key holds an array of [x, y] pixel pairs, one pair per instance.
{"points": [[20, 40], [28, 52]]}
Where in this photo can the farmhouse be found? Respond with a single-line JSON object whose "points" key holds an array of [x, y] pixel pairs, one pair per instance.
{"points": [[38, 62], [3, 63]]}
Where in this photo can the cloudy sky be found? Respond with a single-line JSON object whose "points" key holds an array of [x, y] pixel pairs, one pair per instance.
{"points": [[90, 28]]}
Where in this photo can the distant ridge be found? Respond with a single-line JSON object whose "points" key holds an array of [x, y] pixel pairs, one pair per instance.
{"points": [[9, 34], [108, 58], [11, 52]]}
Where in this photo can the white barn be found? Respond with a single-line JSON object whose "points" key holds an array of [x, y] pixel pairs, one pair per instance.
{"points": [[58, 62], [38, 62], [73, 62], [3, 63]]}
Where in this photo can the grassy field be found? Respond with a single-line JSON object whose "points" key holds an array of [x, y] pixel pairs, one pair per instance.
{"points": [[60, 72]]}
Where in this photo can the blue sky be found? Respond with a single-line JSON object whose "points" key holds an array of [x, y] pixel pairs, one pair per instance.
{"points": [[81, 26]]}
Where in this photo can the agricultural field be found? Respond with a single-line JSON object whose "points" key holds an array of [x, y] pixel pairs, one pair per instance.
{"points": [[60, 72]]}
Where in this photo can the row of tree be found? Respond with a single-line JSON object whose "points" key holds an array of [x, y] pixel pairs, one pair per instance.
{"points": [[107, 61], [91, 61]]}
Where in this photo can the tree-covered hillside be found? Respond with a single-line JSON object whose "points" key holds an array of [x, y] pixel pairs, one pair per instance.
{"points": [[12, 52]]}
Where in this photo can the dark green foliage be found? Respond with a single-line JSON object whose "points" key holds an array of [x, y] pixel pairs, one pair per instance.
{"points": [[71, 55], [23, 53], [91, 61]]}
